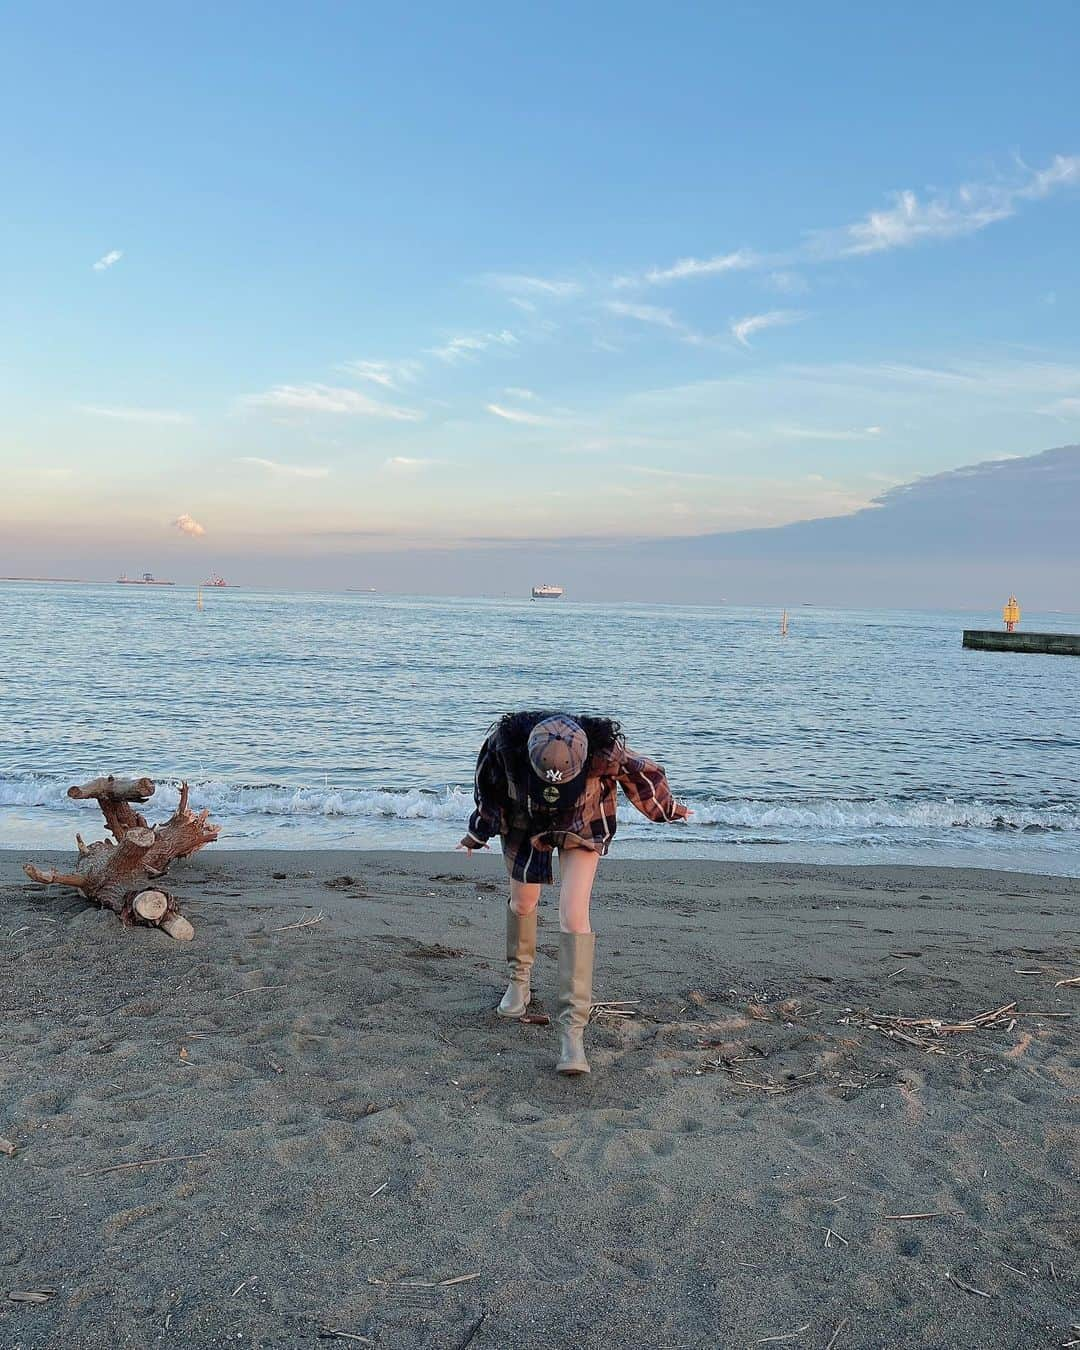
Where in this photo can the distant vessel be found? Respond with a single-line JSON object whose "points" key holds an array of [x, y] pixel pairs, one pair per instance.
{"points": [[547, 592], [147, 579], [216, 580]]}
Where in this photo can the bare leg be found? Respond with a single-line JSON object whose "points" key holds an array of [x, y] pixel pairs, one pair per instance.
{"points": [[577, 869], [524, 896]]}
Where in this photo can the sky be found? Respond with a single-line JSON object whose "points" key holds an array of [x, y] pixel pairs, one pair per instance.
{"points": [[293, 292]]}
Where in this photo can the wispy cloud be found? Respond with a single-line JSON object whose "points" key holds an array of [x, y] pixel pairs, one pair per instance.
{"points": [[324, 398], [787, 283], [114, 256], [950, 215], [907, 220], [817, 434], [517, 415], [685, 268], [160, 415], [389, 374], [409, 464], [1067, 409], [470, 344], [512, 392], [650, 472], [188, 525], [285, 470], [743, 329], [663, 318], [517, 283]]}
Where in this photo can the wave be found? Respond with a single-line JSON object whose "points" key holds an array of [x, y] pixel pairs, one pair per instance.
{"points": [[883, 813], [806, 818], [261, 799]]}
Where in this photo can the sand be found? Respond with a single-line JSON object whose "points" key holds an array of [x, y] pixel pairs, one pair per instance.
{"points": [[357, 1130]]}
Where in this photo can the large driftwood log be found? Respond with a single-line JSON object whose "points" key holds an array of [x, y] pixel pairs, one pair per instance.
{"points": [[121, 876]]}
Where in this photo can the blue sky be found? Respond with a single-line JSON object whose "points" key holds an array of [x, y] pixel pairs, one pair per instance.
{"points": [[327, 279]]}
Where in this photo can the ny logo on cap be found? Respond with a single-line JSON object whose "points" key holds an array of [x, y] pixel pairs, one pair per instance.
{"points": [[554, 775]]}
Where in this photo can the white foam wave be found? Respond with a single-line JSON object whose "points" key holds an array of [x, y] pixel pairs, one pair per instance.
{"points": [[268, 799], [822, 817], [885, 814]]}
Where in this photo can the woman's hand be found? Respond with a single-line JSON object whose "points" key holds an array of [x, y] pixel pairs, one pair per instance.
{"points": [[470, 846]]}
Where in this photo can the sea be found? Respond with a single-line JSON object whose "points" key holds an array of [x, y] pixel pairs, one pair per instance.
{"points": [[353, 720]]}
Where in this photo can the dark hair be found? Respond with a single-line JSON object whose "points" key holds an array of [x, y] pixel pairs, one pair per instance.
{"points": [[510, 735]]}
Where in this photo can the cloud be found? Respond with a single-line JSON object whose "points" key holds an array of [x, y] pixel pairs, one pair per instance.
{"points": [[664, 318], [967, 210], [738, 261], [327, 398], [907, 220], [787, 283], [673, 473], [158, 415], [815, 434], [1062, 171], [467, 345], [187, 525], [518, 284], [103, 264], [743, 329], [389, 374], [1068, 409], [407, 464], [512, 392], [285, 470], [517, 415]]}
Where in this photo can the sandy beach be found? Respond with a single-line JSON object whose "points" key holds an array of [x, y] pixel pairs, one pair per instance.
{"points": [[360, 1150]]}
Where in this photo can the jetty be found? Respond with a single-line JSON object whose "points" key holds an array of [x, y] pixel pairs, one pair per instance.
{"points": [[996, 640]]}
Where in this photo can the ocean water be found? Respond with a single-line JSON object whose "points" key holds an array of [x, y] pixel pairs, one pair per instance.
{"points": [[353, 720]]}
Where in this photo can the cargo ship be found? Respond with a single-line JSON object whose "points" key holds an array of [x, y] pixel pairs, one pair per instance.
{"points": [[547, 592], [216, 580], [147, 579]]}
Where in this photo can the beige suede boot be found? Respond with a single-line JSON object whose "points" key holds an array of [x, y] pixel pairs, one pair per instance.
{"points": [[575, 999], [521, 953]]}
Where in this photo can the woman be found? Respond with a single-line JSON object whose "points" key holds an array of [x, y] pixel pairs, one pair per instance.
{"points": [[546, 781]]}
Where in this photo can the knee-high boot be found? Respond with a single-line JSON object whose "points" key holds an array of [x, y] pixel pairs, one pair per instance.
{"points": [[575, 999], [520, 953]]}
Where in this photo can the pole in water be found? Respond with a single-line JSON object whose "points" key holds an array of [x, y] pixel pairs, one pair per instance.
{"points": [[783, 624], [198, 598]]}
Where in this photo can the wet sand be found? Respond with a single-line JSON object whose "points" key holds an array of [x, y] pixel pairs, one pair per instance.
{"points": [[367, 1149]]}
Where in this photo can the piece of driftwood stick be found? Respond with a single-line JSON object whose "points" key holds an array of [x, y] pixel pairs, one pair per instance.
{"points": [[784, 1336], [110, 788], [837, 1333], [962, 1284], [146, 1162]]}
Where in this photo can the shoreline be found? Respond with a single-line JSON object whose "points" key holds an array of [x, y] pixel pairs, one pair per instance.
{"points": [[350, 1131]]}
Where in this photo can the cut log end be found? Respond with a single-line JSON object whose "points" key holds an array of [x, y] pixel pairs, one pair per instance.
{"points": [[151, 905], [177, 927]]}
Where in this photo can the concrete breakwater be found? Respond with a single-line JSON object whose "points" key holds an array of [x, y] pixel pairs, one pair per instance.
{"points": [[995, 640]]}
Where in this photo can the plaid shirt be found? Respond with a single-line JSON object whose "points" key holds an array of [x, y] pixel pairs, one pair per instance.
{"points": [[530, 835]]}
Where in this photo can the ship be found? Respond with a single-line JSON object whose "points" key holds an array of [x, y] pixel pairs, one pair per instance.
{"points": [[216, 580], [547, 592], [147, 579]]}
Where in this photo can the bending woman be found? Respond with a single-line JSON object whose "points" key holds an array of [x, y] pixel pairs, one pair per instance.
{"points": [[546, 781]]}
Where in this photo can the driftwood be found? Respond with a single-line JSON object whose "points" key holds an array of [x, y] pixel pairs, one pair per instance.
{"points": [[121, 876]]}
